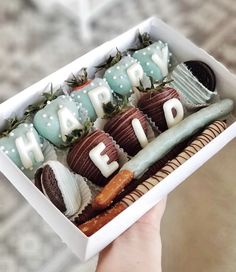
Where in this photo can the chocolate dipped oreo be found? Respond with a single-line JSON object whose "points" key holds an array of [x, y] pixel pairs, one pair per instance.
{"points": [[81, 157], [195, 82], [122, 128], [46, 181], [203, 73], [64, 189]]}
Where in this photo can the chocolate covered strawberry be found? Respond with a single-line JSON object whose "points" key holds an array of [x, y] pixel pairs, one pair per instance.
{"points": [[94, 156], [128, 127], [77, 82], [153, 103], [90, 94], [154, 57], [122, 73], [23, 145]]}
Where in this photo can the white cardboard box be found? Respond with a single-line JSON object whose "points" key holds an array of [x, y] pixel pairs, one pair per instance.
{"points": [[81, 245]]}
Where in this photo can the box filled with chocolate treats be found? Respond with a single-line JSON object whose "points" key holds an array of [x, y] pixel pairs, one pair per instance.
{"points": [[98, 143]]}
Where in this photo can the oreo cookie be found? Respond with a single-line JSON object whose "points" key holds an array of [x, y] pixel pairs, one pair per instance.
{"points": [[203, 73], [46, 181], [67, 191]]}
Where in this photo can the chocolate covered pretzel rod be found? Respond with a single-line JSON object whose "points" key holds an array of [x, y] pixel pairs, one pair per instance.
{"points": [[198, 143], [159, 147], [94, 224]]}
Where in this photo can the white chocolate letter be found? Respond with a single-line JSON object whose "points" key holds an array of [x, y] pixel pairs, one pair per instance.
{"points": [[173, 103], [32, 146], [101, 160], [68, 122], [161, 60], [98, 97], [139, 132], [135, 74]]}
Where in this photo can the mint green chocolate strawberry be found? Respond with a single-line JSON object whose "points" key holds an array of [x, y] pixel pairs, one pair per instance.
{"points": [[154, 59], [124, 75], [23, 146], [58, 119], [91, 96]]}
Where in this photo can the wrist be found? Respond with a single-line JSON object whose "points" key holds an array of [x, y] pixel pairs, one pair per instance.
{"points": [[136, 250]]}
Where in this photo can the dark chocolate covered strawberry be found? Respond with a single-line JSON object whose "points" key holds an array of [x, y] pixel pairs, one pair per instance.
{"points": [[95, 157], [128, 127], [153, 100]]}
